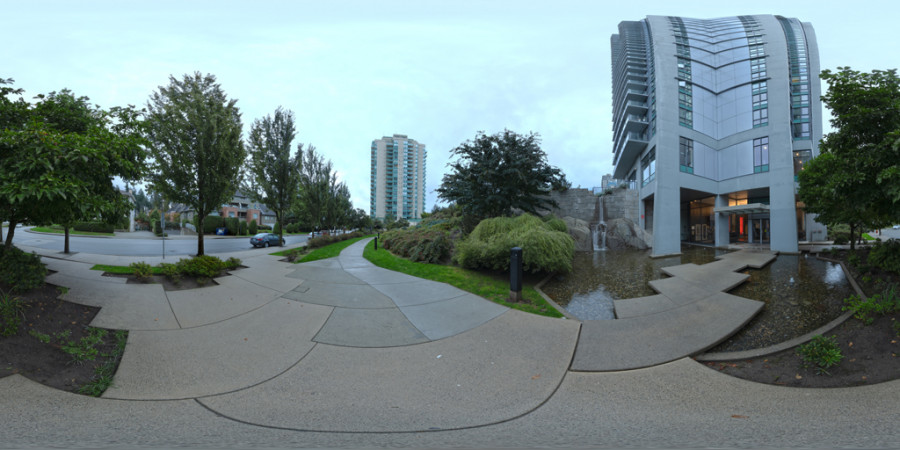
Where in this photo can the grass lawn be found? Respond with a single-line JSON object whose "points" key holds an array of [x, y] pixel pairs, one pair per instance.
{"points": [[123, 270], [493, 288], [71, 232], [328, 251]]}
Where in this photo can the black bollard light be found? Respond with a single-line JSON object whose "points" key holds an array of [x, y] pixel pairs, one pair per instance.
{"points": [[515, 274], [376, 242]]}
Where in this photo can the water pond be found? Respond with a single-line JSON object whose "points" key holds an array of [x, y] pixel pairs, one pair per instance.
{"points": [[792, 309]]}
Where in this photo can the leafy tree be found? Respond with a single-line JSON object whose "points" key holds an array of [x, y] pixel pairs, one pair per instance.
{"points": [[57, 160], [856, 180], [497, 174], [274, 176], [195, 139]]}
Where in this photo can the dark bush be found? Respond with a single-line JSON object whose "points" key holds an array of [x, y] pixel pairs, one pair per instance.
{"points": [[243, 228], [428, 244], [886, 255], [232, 224], [277, 228], [19, 270], [211, 223], [94, 227], [263, 227], [322, 241], [157, 228], [253, 227]]}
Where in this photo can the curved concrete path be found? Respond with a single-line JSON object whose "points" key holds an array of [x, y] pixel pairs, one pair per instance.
{"points": [[250, 364]]}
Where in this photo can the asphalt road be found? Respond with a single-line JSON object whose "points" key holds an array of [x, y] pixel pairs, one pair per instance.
{"points": [[175, 246]]}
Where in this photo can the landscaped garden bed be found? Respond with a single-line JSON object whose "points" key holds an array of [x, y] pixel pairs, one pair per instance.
{"points": [[50, 341], [865, 349]]}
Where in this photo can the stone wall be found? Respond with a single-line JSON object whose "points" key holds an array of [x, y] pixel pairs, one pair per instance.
{"points": [[582, 204], [576, 203], [622, 204]]}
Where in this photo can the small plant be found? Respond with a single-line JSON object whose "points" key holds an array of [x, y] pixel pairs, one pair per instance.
{"points": [[886, 302], [141, 270], [85, 349], [103, 374], [821, 351], [43, 338], [11, 313]]}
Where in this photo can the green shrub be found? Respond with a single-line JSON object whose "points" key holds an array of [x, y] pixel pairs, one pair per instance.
{"points": [[141, 270], [555, 223], [886, 255], [19, 270], [821, 351], [232, 263], [205, 266], [170, 271], [263, 227], [428, 244], [543, 248], [210, 223], [841, 239], [277, 228], [322, 241], [232, 225], [243, 228], [253, 227], [11, 314], [886, 302], [94, 227]]}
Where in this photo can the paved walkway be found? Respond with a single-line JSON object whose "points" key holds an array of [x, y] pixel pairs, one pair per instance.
{"points": [[341, 346]]}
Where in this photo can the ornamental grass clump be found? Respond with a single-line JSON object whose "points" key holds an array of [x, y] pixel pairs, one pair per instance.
{"points": [[544, 247]]}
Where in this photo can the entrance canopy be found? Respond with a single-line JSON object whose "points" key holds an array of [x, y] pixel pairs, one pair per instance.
{"points": [[752, 208]]}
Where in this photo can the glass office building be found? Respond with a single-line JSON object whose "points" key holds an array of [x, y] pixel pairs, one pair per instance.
{"points": [[712, 120]]}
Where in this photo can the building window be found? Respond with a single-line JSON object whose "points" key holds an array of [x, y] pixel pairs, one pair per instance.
{"points": [[686, 155], [761, 155], [800, 159], [685, 117], [230, 213], [648, 167]]}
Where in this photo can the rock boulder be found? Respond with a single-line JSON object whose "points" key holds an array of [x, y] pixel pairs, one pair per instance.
{"points": [[624, 233], [581, 233]]}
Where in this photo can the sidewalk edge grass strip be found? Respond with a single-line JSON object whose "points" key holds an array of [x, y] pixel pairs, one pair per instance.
{"points": [[329, 251], [71, 232], [468, 280], [123, 270]]}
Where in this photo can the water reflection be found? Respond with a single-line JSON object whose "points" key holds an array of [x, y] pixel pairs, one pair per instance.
{"points": [[792, 309], [801, 293], [598, 278]]}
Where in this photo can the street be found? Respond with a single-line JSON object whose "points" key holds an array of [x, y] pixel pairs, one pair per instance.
{"points": [[174, 246]]}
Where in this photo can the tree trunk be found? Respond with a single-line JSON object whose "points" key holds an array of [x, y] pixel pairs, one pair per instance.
{"points": [[852, 237], [11, 231], [280, 229], [200, 235], [66, 246]]}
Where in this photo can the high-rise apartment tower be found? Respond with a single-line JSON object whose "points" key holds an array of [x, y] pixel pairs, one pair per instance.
{"points": [[712, 120], [397, 178]]}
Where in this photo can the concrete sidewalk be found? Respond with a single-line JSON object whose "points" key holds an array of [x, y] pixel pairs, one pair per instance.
{"points": [[341, 353]]}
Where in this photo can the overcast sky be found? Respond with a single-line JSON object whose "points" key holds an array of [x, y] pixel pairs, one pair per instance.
{"points": [[354, 71]]}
